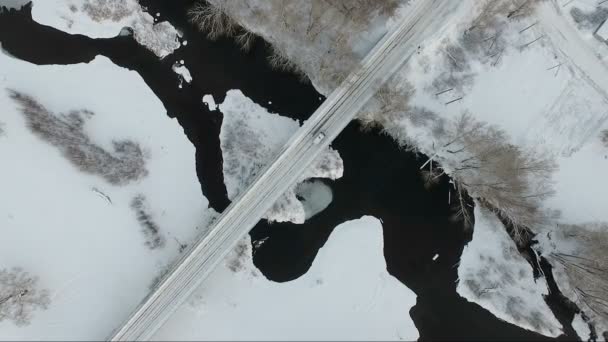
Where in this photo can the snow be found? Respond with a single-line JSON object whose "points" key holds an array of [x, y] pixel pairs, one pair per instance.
{"points": [[210, 102], [579, 191], [250, 138], [581, 327], [57, 223], [315, 196], [337, 299], [181, 70], [494, 275], [106, 19]]}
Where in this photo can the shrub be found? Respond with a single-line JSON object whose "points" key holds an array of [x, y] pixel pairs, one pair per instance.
{"points": [[19, 296], [151, 230], [604, 137], [126, 163], [100, 10], [586, 266]]}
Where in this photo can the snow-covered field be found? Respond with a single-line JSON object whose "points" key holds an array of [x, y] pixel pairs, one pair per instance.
{"points": [[76, 230], [336, 299]]}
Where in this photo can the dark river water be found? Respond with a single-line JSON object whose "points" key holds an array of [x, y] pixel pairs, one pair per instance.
{"points": [[380, 179]]}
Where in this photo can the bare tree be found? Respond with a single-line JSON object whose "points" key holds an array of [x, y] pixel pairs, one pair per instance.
{"points": [[216, 21], [244, 39], [213, 19], [391, 102], [279, 60], [587, 266], [19, 296], [431, 175], [514, 181]]}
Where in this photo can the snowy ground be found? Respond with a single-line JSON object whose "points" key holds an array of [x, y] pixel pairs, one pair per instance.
{"points": [[106, 19], [75, 230], [336, 299], [250, 138]]}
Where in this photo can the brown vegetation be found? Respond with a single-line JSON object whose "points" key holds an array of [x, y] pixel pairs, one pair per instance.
{"points": [[587, 266], [151, 230], [507, 177], [321, 31], [100, 10], [126, 163]]}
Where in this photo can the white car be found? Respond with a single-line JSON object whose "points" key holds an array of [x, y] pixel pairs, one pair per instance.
{"points": [[319, 138]]}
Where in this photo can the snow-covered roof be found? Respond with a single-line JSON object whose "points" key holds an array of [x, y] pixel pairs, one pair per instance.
{"points": [[602, 31]]}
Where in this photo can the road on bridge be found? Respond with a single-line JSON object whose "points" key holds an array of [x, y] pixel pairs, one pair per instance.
{"points": [[308, 143]]}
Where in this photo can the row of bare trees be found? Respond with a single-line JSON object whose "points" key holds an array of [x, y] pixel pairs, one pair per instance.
{"points": [[308, 37]]}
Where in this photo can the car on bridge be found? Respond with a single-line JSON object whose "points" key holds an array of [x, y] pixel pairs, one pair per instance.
{"points": [[319, 138]]}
